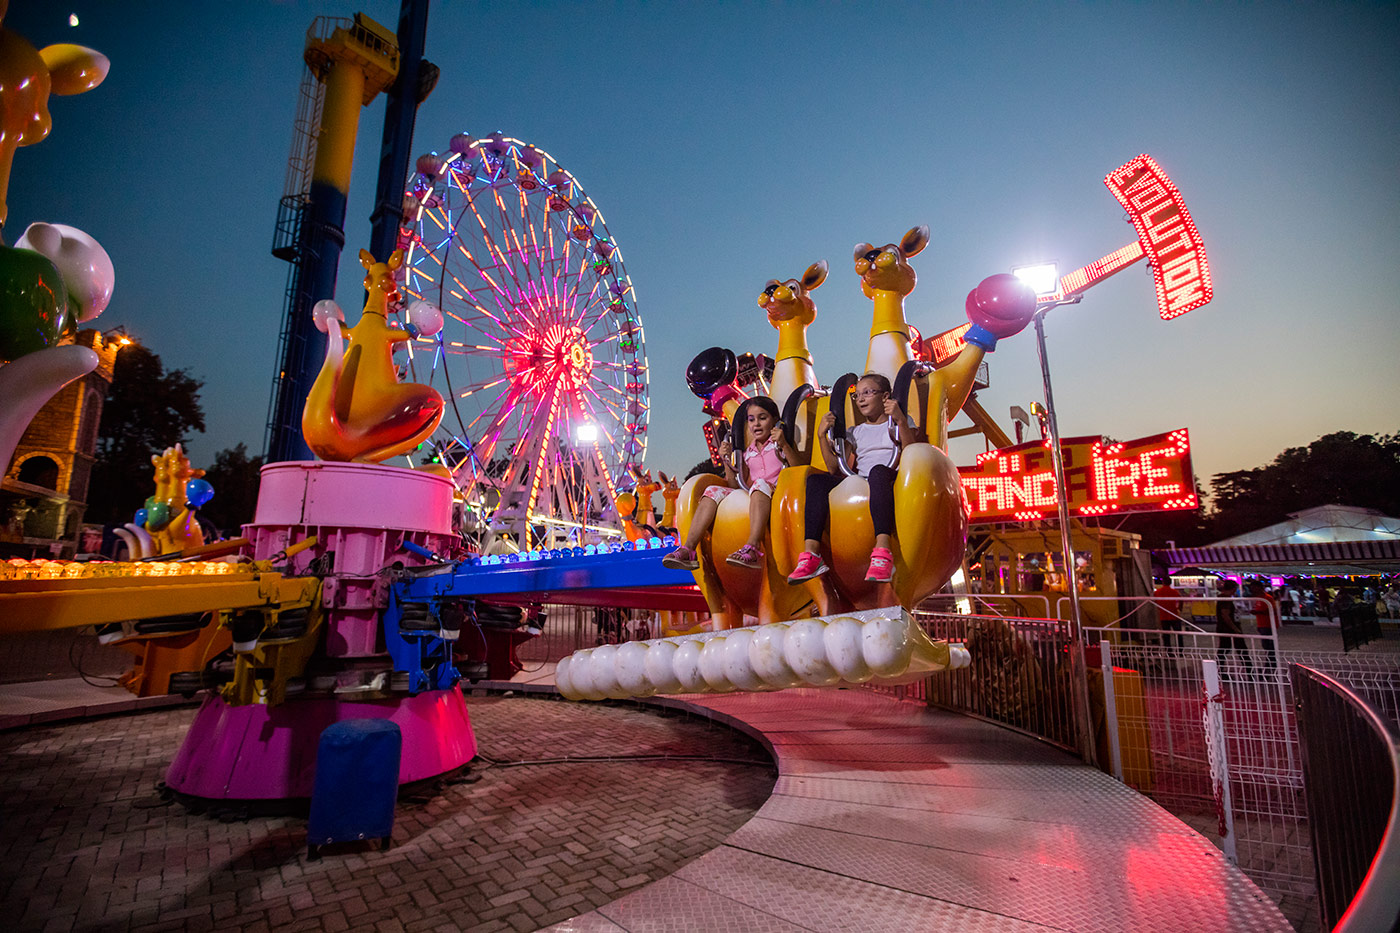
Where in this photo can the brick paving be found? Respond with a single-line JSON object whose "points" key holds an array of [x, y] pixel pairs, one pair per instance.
{"points": [[88, 844]]}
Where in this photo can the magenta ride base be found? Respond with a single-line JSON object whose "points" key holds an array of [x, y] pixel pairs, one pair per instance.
{"points": [[257, 752], [360, 513]]}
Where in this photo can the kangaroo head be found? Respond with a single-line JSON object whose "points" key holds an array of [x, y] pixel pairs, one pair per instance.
{"points": [[790, 301], [161, 462], [28, 76], [886, 268], [669, 488], [379, 280]]}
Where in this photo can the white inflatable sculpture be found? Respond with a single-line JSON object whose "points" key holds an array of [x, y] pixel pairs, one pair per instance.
{"points": [[881, 646]]}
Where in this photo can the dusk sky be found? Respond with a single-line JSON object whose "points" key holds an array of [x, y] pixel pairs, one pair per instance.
{"points": [[730, 143]]}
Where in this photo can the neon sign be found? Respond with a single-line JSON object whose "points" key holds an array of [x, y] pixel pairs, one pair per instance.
{"points": [[1166, 232], [1017, 484], [1167, 236], [940, 348]]}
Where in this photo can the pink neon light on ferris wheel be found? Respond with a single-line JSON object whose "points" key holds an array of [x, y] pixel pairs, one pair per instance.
{"points": [[509, 246]]}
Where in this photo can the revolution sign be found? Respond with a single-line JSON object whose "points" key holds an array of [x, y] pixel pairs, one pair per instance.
{"points": [[1017, 484], [1167, 238]]}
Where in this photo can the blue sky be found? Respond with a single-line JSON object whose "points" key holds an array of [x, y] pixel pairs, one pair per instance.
{"points": [[730, 143]]}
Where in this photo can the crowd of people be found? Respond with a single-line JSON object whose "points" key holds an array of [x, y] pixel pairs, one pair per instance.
{"points": [[1255, 611]]}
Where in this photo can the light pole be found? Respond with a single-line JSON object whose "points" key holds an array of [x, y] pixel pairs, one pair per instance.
{"points": [[1044, 280]]}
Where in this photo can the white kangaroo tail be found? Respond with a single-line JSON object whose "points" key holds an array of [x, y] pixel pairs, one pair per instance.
{"points": [[880, 646], [26, 385], [145, 544], [133, 547]]}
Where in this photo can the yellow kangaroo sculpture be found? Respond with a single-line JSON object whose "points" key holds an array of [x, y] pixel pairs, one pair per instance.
{"points": [[357, 409], [732, 592], [172, 472], [791, 311], [670, 492], [930, 514]]}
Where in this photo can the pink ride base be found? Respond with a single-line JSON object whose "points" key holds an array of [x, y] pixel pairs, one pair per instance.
{"points": [[258, 752], [360, 513]]}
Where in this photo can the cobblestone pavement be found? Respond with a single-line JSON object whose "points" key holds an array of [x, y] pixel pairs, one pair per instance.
{"points": [[88, 844]]}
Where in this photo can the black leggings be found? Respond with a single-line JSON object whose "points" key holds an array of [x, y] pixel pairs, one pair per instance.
{"points": [[818, 509]]}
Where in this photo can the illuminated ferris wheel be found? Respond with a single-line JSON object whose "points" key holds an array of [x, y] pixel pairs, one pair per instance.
{"points": [[541, 359]]}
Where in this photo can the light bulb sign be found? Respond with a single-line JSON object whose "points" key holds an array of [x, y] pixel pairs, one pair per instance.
{"points": [[1017, 484], [1167, 237]]}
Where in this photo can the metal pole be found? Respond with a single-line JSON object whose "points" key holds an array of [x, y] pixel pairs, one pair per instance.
{"points": [[1078, 668], [400, 112]]}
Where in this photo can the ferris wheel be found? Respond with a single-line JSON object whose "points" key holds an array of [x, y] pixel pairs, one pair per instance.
{"points": [[541, 359]]}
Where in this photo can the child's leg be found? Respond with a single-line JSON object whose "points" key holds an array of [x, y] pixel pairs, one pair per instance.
{"points": [[817, 509], [701, 521], [758, 516], [881, 481]]}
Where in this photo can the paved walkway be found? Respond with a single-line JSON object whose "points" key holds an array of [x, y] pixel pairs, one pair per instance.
{"points": [[87, 844], [885, 816], [891, 816]]}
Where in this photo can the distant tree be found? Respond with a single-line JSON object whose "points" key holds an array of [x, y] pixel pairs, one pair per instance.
{"points": [[148, 409], [235, 479], [1342, 468]]}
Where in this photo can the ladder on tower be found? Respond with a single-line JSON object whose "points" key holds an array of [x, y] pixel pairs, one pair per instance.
{"points": [[288, 239]]}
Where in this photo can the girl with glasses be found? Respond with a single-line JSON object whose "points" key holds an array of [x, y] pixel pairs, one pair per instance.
{"points": [[870, 449]]}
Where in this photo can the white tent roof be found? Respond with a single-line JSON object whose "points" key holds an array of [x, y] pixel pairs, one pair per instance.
{"points": [[1330, 539], [1324, 524]]}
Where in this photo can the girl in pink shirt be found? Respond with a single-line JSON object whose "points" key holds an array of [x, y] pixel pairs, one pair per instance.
{"points": [[763, 459]]}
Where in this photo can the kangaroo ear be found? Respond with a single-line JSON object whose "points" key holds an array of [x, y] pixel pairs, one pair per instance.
{"points": [[914, 241], [664, 477], [861, 250], [366, 259], [815, 275], [73, 69], [396, 260]]}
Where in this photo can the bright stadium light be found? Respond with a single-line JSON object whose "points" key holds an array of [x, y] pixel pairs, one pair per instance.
{"points": [[1044, 277], [586, 433]]}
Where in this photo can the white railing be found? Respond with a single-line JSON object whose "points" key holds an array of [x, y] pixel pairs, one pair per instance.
{"points": [[1208, 730]]}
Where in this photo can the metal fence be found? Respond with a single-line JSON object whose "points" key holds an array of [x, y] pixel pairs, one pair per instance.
{"points": [[1019, 676], [565, 629], [1206, 725], [1351, 759]]}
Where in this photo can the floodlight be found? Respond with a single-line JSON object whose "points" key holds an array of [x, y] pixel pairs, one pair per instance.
{"points": [[1044, 277], [586, 433]]}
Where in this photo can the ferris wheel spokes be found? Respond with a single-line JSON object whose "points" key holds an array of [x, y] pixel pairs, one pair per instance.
{"points": [[547, 371]]}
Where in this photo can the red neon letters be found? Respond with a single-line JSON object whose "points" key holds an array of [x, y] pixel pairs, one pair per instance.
{"points": [[1018, 483], [940, 348], [1167, 234]]}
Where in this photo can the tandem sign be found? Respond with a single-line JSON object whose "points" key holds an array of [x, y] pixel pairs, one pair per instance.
{"points": [[1017, 484]]}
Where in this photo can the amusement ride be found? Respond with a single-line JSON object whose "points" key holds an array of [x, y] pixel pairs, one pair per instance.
{"points": [[499, 351], [542, 359]]}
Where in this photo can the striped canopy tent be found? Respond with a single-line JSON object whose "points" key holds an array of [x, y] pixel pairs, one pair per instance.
{"points": [[1330, 540]]}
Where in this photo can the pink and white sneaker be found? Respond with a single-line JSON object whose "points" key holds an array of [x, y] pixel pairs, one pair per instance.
{"points": [[809, 565], [881, 566]]}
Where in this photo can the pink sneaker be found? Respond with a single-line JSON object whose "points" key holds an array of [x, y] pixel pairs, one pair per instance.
{"points": [[809, 565], [747, 556], [682, 558], [881, 566]]}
